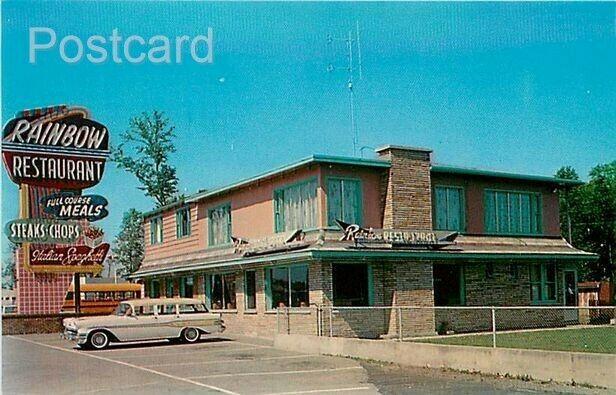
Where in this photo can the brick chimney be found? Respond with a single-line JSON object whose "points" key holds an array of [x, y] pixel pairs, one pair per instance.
{"points": [[406, 193]]}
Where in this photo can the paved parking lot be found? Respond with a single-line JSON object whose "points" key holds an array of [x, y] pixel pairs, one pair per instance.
{"points": [[37, 364]]}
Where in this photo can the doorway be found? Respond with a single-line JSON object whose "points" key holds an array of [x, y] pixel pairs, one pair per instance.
{"points": [[570, 295]]}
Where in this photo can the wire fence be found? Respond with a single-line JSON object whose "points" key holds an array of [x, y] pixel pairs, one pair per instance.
{"points": [[557, 328]]}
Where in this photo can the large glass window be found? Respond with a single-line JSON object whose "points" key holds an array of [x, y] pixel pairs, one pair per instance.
{"points": [[344, 201], [156, 230], [449, 285], [169, 288], [155, 289], [219, 219], [287, 286], [351, 285], [449, 208], [295, 206], [543, 282], [512, 212], [182, 222], [222, 291], [250, 287], [186, 287]]}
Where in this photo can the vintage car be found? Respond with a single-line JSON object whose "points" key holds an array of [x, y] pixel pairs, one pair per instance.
{"points": [[145, 319]]}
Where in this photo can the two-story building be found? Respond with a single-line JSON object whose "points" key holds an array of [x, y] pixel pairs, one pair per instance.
{"points": [[426, 235]]}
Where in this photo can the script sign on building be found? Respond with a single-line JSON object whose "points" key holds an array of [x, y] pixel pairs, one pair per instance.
{"points": [[393, 238], [59, 147]]}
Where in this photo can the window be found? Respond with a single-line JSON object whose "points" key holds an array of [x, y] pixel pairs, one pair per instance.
{"points": [[182, 222], [154, 289], [219, 219], [192, 308], [351, 285], [250, 286], [186, 287], [344, 201], [145, 310], [222, 291], [166, 309], [512, 212], [449, 285], [156, 230], [169, 288], [543, 282], [449, 208], [295, 207], [287, 286]]}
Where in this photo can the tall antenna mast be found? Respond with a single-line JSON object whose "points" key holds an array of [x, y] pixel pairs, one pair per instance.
{"points": [[354, 65]]}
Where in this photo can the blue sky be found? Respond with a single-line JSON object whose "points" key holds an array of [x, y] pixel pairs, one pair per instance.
{"points": [[523, 87]]}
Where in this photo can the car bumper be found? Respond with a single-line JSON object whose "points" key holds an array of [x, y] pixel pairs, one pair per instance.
{"points": [[71, 335]]}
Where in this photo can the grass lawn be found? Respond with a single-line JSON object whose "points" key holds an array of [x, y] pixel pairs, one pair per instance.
{"points": [[598, 340]]}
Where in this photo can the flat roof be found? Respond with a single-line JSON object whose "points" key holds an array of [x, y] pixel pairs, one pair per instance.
{"points": [[470, 171], [317, 158], [351, 161]]}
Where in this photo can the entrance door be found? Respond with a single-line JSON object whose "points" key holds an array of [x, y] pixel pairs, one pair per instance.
{"points": [[571, 295]]}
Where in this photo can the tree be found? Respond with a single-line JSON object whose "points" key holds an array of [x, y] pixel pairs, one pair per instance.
{"points": [[591, 209], [8, 270], [128, 250], [144, 152]]}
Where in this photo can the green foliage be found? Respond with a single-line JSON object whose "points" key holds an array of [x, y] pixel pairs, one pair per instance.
{"points": [[591, 210], [144, 152], [128, 250], [9, 269]]}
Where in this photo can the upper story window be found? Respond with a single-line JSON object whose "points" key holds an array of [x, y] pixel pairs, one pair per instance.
{"points": [[509, 212], [156, 230], [449, 208], [295, 206], [344, 201], [219, 219], [182, 222]]}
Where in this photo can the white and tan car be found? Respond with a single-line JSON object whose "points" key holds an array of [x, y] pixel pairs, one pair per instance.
{"points": [[145, 319]]}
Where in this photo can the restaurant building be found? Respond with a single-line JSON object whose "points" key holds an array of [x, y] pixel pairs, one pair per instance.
{"points": [[396, 230]]}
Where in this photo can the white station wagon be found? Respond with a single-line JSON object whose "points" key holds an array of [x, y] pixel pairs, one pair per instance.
{"points": [[145, 319]]}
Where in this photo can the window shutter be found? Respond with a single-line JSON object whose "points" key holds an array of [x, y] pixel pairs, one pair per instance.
{"points": [[334, 202], [490, 212]]}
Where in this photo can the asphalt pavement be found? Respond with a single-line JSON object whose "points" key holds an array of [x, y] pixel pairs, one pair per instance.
{"points": [[46, 364]]}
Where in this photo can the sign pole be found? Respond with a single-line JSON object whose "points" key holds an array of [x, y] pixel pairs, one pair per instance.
{"points": [[77, 292]]}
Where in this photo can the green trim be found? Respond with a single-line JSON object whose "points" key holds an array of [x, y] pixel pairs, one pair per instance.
{"points": [[446, 169], [543, 284], [359, 197], [210, 234], [317, 158], [462, 192], [152, 220], [537, 211], [359, 255], [278, 221], [177, 222], [268, 283]]}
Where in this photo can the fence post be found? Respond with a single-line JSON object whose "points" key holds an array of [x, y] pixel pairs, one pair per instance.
{"points": [[288, 322], [399, 323], [278, 320], [493, 327], [331, 328]]}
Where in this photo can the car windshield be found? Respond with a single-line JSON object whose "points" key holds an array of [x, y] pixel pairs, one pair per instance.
{"points": [[123, 309]]}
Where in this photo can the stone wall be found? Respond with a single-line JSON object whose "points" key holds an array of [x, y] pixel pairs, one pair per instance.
{"points": [[21, 324], [406, 191], [505, 287]]}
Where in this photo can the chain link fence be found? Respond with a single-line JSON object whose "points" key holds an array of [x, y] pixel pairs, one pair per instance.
{"points": [[557, 328]]}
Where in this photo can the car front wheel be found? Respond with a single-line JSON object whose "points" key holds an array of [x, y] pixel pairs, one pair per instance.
{"points": [[98, 340], [190, 335]]}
